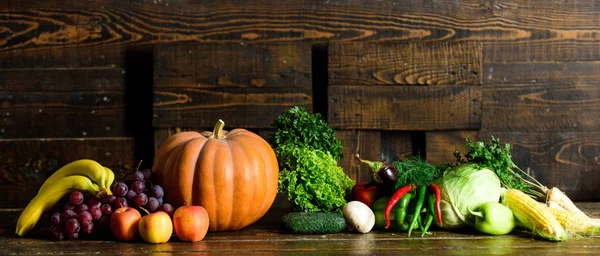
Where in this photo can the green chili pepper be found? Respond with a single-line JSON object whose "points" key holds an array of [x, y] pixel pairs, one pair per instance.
{"points": [[430, 212], [418, 206]]}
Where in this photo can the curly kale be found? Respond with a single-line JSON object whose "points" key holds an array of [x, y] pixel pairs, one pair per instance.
{"points": [[300, 128]]}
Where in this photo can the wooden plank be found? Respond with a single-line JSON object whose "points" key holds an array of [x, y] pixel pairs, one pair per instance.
{"points": [[366, 143], [84, 102], [238, 107], [543, 50], [540, 108], [567, 160], [233, 65], [441, 145], [59, 23], [396, 145], [26, 163], [390, 63], [540, 73], [405, 107], [64, 57]]}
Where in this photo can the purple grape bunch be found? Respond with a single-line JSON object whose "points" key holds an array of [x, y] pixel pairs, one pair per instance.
{"points": [[81, 216]]}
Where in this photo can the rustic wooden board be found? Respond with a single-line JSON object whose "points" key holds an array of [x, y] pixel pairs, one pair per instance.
{"points": [[540, 108], [567, 160], [74, 102], [26, 163], [389, 63], [32, 25], [366, 143], [238, 107], [541, 73], [233, 65], [65, 57], [405, 107], [542, 50], [397, 145], [442, 144]]}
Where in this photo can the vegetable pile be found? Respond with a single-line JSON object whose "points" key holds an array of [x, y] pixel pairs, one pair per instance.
{"points": [[482, 190]]}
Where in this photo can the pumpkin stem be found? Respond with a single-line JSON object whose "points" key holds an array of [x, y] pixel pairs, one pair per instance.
{"points": [[216, 134]]}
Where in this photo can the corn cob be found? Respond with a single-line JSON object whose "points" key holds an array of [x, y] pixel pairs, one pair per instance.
{"points": [[573, 223], [534, 216]]}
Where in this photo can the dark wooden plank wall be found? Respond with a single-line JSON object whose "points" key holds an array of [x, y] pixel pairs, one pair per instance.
{"points": [[110, 80]]}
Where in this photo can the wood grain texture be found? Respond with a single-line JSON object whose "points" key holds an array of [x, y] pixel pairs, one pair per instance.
{"points": [[542, 73], [366, 143], [26, 163], [405, 107], [238, 107], [528, 51], [62, 102], [64, 57], [390, 63], [233, 65], [31, 24], [441, 145], [541, 108], [567, 160], [396, 145]]}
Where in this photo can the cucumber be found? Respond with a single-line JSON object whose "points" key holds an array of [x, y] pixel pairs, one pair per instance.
{"points": [[314, 222]]}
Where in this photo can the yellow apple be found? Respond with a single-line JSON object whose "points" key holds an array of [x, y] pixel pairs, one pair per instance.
{"points": [[156, 227]]}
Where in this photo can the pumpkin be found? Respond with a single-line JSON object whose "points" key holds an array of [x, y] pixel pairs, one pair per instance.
{"points": [[233, 175]]}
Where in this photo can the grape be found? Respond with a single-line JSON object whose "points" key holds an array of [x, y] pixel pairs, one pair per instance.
{"points": [[120, 189], [55, 219], [93, 202], [137, 175], [157, 191], [76, 198], [68, 206], [141, 199], [130, 196], [84, 217], [111, 200], [138, 187], [152, 204], [57, 233], [147, 174], [161, 200], [106, 209], [95, 212], [72, 226], [72, 236], [168, 208], [87, 228], [67, 215], [81, 208], [120, 202]]}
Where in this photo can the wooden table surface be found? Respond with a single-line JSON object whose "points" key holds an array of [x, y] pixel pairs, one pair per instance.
{"points": [[266, 237]]}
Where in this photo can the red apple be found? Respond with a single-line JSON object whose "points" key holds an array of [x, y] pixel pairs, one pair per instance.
{"points": [[124, 223], [190, 223], [156, 227]]}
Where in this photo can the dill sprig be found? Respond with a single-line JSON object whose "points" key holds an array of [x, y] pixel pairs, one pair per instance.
{"points": [[415, 170]]}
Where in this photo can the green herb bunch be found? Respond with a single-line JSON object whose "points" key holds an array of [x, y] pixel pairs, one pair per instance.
{"points": [[300, 128], [498, 158]]}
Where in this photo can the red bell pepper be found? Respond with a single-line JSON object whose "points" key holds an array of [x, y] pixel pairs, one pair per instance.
{"points": [[366, 192]]}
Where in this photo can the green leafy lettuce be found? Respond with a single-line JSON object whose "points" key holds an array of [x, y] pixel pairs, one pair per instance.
{"points": [[312, 179]]}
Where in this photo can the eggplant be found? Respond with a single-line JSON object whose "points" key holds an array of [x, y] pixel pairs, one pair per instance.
{"points": [[382, 173]]}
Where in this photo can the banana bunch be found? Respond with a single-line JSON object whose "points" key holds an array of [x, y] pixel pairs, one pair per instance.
{"points": [[81, 175]]}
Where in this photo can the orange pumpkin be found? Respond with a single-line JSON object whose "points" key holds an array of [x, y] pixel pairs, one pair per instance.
{"points": [[233, 175]]}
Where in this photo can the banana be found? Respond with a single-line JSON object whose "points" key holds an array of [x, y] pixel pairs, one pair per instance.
{"points": [[109, 180], [52, 193], [85, 167]]}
